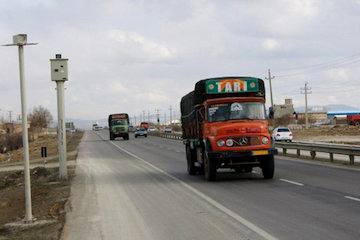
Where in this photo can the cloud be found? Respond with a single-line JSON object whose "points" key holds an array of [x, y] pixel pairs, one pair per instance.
{"points": [[270, 44], [149, 48], [151, 53], [117, 87]]}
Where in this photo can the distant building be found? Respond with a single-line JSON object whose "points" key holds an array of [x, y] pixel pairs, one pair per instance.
{"points": [[281, 110], [337, 117]]}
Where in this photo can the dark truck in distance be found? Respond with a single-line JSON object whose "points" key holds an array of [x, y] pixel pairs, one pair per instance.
{"points": [[119, 126], [224, 126]]}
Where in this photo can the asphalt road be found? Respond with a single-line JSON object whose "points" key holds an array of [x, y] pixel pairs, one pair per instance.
{"points": [[139, 189]]}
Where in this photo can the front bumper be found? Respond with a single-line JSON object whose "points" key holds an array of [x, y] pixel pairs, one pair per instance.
{"points": [[243, 154], [241, 159]]}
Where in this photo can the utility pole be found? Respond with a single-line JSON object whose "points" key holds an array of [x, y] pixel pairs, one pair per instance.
{"points": [[59, 74], [170, 114], [20, 40], [10, 117], [157, 116], [271, 92], [306, 90]]}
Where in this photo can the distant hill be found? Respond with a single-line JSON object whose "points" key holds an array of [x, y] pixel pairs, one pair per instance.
{"points": [[87, 124], [326, 108]]}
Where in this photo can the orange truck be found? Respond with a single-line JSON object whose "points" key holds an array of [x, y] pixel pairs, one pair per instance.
{"points": [[224, 125], [144, 125], [353, 119]]}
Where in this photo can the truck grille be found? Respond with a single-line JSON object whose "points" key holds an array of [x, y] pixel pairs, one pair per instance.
{"points": [[120, 129], [246, 141]]}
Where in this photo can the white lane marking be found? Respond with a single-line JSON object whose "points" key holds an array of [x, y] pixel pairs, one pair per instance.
{"points": [[353, 198], [211, 201], [292, 182]]}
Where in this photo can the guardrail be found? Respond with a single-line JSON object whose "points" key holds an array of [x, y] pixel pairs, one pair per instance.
{"points": [[171, 136], [313, 148]]}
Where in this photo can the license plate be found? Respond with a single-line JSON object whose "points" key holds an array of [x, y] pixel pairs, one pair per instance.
{"points": [[260, 152]]}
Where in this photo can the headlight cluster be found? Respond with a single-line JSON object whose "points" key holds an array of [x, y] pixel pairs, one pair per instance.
{"points": [[221, 143], [265, 140], [229, 142]]}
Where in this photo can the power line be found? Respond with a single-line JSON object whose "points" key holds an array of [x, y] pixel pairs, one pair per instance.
{"points": [[322, 68], [334, 61]]}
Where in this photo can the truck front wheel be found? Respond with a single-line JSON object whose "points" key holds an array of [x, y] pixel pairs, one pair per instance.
{"points": [[209, 168], [268, 166], [111, 136], [190, 158]]}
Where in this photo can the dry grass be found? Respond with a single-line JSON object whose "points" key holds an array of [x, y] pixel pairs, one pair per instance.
{"points": [[48, 141]]}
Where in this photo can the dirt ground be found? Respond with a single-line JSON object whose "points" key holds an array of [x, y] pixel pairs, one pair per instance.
{"points": [[48, 202], [48, 141], [336, 134]]}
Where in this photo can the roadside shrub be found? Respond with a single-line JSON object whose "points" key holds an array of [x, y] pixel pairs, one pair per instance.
{"points": [[9, 142]]}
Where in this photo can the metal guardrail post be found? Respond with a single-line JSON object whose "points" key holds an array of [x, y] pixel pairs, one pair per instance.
{"points": [[352, 159], [298, 152], [331, 155], [313, 154]]}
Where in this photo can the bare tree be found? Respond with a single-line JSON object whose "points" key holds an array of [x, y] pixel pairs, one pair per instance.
{"points": [[40, 118]]}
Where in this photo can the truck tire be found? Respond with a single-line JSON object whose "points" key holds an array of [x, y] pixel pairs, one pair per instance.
{"points": [[268, 166], [209, 168], [190, 158], [126, 137], [112, 136]]}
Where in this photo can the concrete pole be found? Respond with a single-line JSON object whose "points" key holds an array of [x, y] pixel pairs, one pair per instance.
{"points": [[271, 92], [28, 209], [61, 130], [306, 108]]}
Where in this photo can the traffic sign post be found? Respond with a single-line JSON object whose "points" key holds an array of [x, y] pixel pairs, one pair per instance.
{"points": [[59, 74]]}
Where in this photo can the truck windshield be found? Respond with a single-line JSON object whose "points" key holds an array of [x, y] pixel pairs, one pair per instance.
{"points": [[235, 111], [119, 122]]}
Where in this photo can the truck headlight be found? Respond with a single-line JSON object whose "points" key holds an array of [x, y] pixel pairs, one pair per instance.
{"points": [[265, 140], [229, 142], [221, 143]]}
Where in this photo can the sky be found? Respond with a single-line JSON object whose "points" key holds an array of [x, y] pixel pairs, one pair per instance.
{"points": [[136, 55]]}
